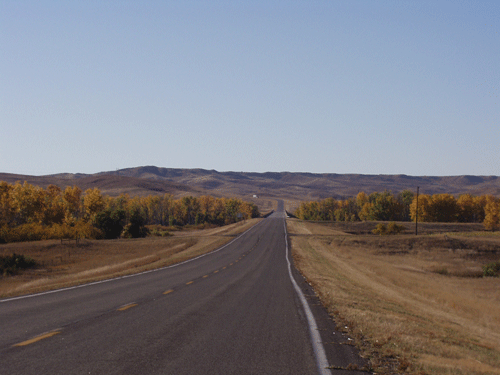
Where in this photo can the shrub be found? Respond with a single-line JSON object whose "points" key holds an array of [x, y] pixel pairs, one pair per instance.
{"points": [[86, 230], [391, 228], [37, 232], [380, 229], [159, 231], [442, 271], [10, 265], [492, 269], [27, 232], [60, 231], [4, 233]]}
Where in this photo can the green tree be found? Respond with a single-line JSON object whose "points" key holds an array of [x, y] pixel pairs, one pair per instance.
{"points": [[136, 227], [110, 222], [405, 198], [385, 207], [232, 210]]}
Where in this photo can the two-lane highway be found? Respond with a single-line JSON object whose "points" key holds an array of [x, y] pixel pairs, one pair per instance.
{"points": [[233, 311]]}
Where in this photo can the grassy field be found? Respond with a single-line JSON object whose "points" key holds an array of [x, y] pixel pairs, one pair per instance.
{"points": [[65, 264], [415, 304]]}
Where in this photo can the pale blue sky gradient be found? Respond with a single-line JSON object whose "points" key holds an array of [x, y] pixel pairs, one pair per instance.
{"points": [[372, 87]]}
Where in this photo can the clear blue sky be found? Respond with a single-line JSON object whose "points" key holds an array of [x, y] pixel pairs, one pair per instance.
{"points": [[372, 87]]}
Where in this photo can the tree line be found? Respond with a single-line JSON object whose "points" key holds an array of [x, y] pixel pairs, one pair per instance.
{"points": [[386, 206], [29, 212]]}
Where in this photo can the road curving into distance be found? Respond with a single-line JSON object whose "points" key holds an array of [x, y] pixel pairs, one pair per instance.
{"points": [[233, 311]]}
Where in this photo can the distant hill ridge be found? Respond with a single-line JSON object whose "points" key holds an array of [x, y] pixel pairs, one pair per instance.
{"points": [[294, 185]]}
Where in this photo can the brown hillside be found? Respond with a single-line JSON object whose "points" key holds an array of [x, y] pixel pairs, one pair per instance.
{"points": [[109, 184], [296, 186]]}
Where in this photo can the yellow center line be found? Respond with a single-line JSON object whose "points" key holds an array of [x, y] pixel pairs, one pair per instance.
{"points": [[205, 276], [126, 307], [189, 282], [231, 264], [38, 338], [224, 268], [168, 291], [216, 271]]}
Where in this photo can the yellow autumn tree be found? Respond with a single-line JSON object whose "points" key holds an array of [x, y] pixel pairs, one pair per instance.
{"points": [[465, 203], [327, 209], [219, 211], [207, 207], [247, 210], [424, 205], [72, 201], [167, 209], [471, 208], [154, 209], [28, 202], [6, 208], [365, 211], [480, 204], [444, 208], [361, 200], [54, 206], [492, 213], [93, 203]]}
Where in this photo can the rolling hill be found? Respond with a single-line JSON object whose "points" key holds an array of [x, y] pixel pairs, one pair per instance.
{"points": [[289, 185]]}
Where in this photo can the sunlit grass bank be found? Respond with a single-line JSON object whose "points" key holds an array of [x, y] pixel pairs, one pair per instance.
{"points": [[67, 263], [416, 305]]}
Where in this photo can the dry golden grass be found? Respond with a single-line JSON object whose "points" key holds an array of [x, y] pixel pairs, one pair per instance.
{"points": [[405, 298], [69, 264]]}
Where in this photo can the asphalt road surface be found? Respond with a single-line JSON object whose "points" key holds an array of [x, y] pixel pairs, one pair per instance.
{"points": [[233, 311]]}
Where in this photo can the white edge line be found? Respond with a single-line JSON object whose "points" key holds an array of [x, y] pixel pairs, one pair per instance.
{"points": [[319, 350], [127, 276]]}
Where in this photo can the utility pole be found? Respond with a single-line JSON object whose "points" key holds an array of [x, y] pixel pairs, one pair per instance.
{"points": [[416, 217]]}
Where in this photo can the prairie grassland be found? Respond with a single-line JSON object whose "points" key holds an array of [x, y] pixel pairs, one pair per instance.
{"points": [[65, 264], [416, 305]]}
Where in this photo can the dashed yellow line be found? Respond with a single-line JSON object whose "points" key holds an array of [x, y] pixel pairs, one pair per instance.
{"points": [[224, 268], [38, 338], [126, 307], [189, 282], [168, 291], [216, 271], [231, 264], [205, 276]]}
